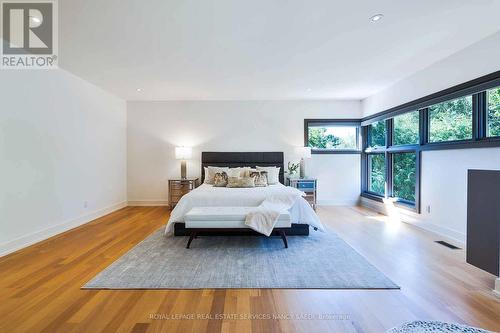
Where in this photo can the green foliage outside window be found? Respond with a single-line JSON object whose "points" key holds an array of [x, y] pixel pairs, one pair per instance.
{"points": [[404, 173], [376, 164], [406, 128], [377, 134], [340, 137], [494, 112], [451, 120], [448, 121]]}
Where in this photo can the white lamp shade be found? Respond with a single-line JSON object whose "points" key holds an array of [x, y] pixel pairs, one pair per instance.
{"points": [[303, 152], [183, 153]]}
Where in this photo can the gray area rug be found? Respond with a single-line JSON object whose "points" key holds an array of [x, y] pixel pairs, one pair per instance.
{"points": [[318, 261], [420, 326]]}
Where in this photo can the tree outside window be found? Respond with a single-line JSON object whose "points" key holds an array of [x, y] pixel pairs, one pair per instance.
{"points": [[376, 167], [404, 176], [377, 134], [493, 112], [406, 127], [333, 137], [451, 120]]}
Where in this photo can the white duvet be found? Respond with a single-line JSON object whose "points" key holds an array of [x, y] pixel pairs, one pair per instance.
{"points": [[210, 196]]}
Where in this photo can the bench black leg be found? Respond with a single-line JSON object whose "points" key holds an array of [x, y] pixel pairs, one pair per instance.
{"points": [[283, 237], [191, 237]]}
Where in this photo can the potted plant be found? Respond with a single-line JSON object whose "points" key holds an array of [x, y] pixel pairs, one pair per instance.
{"points": [[293, 169]]}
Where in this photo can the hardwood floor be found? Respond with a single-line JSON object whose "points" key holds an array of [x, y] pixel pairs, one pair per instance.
{"points": [[40, 285]]}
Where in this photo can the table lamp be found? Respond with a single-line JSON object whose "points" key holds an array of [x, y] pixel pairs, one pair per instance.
{"points": [[183, 154], [303, 153]]}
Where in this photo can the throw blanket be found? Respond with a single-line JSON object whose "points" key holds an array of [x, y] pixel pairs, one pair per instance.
{"points": [[210, 196], [264, 217]]}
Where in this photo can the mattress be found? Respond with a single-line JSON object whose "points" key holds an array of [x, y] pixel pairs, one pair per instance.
{"points": [[210, 196], [226, 217]]}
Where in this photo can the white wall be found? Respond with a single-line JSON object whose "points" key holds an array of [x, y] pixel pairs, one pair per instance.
{"points": [[444, 172], [472, 62], [444, 185], [444, 190], [155, 128], [62, 142]]}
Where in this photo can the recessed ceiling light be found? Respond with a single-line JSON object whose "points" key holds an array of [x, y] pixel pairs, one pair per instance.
{"points": [[376, 18], [139, 89]]}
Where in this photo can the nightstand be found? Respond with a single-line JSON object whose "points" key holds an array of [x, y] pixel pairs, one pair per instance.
{"points": [[307, 185], [178, 187]]}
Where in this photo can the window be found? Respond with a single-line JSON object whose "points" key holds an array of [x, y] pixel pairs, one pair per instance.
{"points": [[406, 128], [451, 120], [376, 134], [391, 170], [404, 176], [330, 136], [393, 145], [376, 167], [493, 119]]}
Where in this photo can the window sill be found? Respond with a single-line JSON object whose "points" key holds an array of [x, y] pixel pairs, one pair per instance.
{"points": [[407, 206], [373, 196], [398, 203], [373, 150]]}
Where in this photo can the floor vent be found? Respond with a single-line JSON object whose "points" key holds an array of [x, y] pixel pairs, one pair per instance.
{"points": [[451, 246]]}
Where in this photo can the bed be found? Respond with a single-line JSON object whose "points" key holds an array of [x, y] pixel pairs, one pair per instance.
{"points": [[205, 195]]}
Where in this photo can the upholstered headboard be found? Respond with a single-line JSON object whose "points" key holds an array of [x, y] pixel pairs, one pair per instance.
{"points": [[235, 159]]}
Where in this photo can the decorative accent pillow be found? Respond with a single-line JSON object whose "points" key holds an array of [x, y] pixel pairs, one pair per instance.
{"points": [[260, 178], [241, 182], [210, 174], [273, 174], [220, 179], [248, 171], [237, 172]]}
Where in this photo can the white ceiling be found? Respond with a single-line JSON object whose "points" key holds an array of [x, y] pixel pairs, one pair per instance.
{"points": [[262, 49]]}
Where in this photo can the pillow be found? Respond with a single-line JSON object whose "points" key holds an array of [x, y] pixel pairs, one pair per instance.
{"points": [[220, 179], [210, 174], [241, 182], [248, 171], [260, 178], [237, 172], [273, 174]]}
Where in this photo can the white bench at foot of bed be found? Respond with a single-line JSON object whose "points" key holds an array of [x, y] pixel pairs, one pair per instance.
{"points": [[201, 219]]}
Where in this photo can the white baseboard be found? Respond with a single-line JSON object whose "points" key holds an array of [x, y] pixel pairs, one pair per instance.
{"points": [[338, 202], [418, 221], [453, 235], [24, 241], [147, 203]]}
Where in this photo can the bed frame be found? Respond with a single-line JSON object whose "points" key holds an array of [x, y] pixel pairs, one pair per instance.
{"points": [[241, 159]]}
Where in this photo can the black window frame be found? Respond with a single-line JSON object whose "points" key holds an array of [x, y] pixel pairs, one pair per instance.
{"points": [[369, 135], [333, 122], [402, 201], [477, 88], [486, 105], [389, 150], [428, 120], [375, 194], [393, 127]]}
